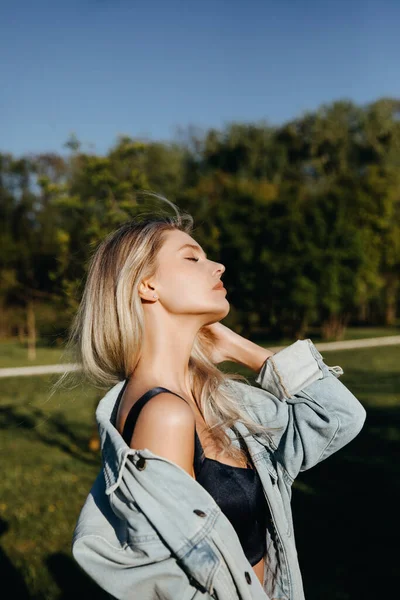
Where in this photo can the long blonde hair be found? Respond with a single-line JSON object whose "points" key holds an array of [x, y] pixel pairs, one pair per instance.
{"points": [[107, 331]]}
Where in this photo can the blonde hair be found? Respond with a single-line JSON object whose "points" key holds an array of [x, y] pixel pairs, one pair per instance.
{"points": [[108, 328]]}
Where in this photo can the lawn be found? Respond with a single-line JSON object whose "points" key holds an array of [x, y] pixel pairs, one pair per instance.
{"points": [[346, 550], [14, 354]]}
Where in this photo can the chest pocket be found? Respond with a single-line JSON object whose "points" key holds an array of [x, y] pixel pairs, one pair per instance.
{"points": [[141, 538], [263, 454]]}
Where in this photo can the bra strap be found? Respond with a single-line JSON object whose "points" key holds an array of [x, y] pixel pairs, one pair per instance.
{"points": [[133, 414]]}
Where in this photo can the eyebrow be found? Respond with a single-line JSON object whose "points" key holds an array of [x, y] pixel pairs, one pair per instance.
{"points": [[193, 248]]}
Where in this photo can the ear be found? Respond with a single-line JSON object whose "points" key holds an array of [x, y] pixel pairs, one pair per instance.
{"points": [[147, 291]]}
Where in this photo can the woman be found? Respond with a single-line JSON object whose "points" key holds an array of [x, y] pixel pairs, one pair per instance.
{"points": [[193, 498]]}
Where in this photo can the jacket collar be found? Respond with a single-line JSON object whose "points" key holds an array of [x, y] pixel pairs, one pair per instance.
{"points": [[114, 448]]}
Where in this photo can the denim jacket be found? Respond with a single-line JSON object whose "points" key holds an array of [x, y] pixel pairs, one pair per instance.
{"points": [[148, 530]]}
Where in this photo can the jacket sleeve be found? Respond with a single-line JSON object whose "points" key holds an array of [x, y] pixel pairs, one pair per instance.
{"points": [[103, 548], [318, 415]]}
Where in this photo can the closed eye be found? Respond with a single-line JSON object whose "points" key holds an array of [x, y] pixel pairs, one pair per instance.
{"points": [[196, 259]]}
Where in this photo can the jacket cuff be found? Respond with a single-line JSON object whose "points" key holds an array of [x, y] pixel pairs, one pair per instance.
{"points": [[289, 370]]}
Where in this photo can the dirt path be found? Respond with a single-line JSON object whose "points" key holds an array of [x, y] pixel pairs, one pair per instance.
{"points": [[389, 340]]}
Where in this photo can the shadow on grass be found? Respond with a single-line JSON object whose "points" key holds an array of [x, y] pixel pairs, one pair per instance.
{"points": [[11, 579], [377, 384], [56, 432], [72, 581], [345, 513]]}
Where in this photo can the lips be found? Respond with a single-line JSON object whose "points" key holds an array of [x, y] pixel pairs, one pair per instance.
{"points": [[219, 286]]}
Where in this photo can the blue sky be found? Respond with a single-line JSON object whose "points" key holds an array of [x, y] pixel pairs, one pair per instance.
{"points": [[145, 68]]}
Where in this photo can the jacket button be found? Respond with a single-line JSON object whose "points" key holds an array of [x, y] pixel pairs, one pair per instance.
{"points": [[247, 575], [141, 463], [199, 512]]}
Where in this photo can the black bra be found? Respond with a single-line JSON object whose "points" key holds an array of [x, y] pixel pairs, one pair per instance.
{"points": [[237, 490]]}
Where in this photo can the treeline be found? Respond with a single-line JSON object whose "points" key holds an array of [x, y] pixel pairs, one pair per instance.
{"points": [[305, 216]]}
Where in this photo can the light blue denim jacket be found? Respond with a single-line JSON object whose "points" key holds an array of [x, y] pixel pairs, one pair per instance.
{"points": [[148, 530]]}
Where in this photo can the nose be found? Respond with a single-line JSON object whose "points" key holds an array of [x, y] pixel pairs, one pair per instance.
{"points": [[221, 267]]}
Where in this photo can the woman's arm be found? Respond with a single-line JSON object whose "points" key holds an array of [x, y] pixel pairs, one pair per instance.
{"points": [[318, 414], [225, 344], [248, 353]]}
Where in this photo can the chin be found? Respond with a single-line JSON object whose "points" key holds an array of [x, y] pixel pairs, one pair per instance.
{"points": [[226, 310]]}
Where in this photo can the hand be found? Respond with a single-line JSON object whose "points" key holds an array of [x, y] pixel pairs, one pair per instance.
{"points": [[225, 344], [219, 340]]}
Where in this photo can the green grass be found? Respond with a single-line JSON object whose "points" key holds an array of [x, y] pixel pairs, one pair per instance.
{"points": [[344, 509], [358, 333], [351, 333], [47, 472], [15, 354]]}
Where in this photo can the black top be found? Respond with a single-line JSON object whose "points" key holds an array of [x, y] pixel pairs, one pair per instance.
{"points": [[237, 490]]}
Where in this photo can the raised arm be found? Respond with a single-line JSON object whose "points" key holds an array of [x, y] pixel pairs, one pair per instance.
{"points": [[301, 394]]}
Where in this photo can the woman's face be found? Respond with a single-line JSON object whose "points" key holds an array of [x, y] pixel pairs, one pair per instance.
{"points": [[186, 277]]}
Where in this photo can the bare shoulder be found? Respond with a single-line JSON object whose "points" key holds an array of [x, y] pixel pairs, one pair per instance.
{"points": [[166, 427]]}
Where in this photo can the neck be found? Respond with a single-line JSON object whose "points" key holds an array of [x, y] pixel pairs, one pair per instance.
{"points": [[166, 350]]}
